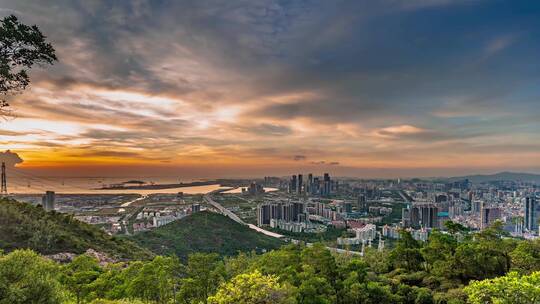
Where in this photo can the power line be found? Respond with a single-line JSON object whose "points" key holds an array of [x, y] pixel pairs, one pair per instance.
{"points": [[35, 185], [50, 182], [33, 179]]}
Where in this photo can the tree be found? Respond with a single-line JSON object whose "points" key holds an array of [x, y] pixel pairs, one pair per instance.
{"points": [[204, 273], [321, 260], [423, 296], [253, 288], [111, 284], [439, 247], [79, 275], [378, 293], [285, 263], [509, 289], [21, 47], [407, 253], [105, 301], [354, 285], [25, 277], [155, 280], [315, 289], [239, 264], [378, 261], [526, 257], [454, 228]]}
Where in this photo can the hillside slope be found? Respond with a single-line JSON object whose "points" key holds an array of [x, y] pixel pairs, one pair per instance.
{"points": [[25, 226], [204, 232]]}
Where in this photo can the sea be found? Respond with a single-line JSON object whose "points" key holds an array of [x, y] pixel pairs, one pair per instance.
{"points": [[30, 184], [91, 185]]}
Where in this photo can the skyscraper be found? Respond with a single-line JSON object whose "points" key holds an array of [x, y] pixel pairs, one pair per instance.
{"points": [[327, 185], [406, 217], [263, 214], [315, 186], [362, 203], [48, 200], [424, 215], [488, 215], [300, 184], [293, 184], [532, 213], [286, 211]]}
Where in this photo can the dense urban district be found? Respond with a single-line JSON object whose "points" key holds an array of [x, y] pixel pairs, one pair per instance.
{"points": [[297, 239]]}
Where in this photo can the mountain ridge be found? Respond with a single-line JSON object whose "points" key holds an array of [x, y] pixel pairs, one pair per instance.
{"points": [[499, 176]]}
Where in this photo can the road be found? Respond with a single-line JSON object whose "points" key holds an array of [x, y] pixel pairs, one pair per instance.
{"points": [[404, 197], [126, 204], [208, 199], [223, 210]]}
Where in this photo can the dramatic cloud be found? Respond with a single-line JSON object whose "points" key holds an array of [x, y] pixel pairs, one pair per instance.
{"points": [[10, 158], [240, 86]]}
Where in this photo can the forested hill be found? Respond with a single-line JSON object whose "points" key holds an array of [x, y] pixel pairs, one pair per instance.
{"points": [[204, 232], [25, 226]]}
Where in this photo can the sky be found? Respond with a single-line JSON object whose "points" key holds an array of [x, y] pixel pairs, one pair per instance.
{"points": [[205, 89]]}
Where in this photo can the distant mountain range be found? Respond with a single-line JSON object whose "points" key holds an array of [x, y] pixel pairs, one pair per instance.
{"points": [[501, 176]]}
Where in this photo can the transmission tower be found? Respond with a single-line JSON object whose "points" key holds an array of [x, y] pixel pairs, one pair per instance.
{"points": [[3, 191]]}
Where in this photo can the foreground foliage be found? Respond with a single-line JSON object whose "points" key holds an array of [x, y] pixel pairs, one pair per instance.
{"points": [[509, 289], [482, 268], [21, 47], [253, 288]]}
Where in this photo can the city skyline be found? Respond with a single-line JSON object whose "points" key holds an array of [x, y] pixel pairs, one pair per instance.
{"points": [[216, 89]]}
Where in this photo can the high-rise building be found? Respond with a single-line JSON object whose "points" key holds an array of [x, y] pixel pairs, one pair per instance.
{"points": [[293, 184], [300, 183], [288, 212], [309, 184], [424, 215], [254, 189], [47, 201], [263, 214], [195, 208], [362, 203], [3, 191], [488, 215], [347, 207], [455, 208], [371, 193], [327, 185], [316, 186], [476, 205], [406, 217], [532, 213]]}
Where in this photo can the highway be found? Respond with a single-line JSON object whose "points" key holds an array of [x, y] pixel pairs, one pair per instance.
{"points": [[208, 199], [223, 210], [126, 204], [404, 197]]}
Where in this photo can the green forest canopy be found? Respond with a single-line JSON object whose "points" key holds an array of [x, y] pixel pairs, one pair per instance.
{"points": [[478, 269]]}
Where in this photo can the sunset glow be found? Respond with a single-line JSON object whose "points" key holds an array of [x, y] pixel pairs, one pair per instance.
{"points": [[268, 88]]}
